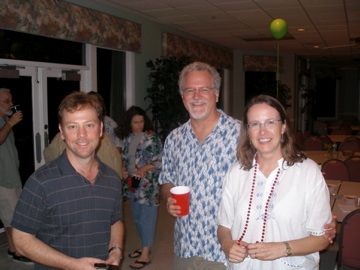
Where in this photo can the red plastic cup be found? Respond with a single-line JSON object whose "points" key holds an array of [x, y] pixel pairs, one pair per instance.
{"points": [[182, 196]]}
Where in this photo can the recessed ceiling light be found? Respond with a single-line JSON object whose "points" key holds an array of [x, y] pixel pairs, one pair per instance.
{"points": [[301, 29], [316, 46]]}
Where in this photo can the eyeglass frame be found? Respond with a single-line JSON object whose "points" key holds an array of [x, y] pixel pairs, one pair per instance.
{"points": [[268, 124], [202, 90], [6, 101]]}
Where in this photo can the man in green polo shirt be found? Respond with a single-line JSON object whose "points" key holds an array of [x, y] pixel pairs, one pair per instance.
{"points": [[10, 182]]}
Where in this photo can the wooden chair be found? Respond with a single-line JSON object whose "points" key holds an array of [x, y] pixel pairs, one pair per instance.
{"points": [[349, 145], [353, 164], [353, 139], [349, 242], [335, 169], [313, 143]]}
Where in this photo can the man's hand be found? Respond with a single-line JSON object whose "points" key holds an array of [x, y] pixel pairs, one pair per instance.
{"points": [[16, 117], [173, 209]]}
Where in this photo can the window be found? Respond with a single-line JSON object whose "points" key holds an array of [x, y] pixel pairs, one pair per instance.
{"points": [[28, 47]]}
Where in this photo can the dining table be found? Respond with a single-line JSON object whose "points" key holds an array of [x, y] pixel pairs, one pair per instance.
{"points": [[340, 138], [344, 197], [321, 156], [353, 127]]}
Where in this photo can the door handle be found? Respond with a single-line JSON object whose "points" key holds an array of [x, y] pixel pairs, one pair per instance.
{"points": [[46, 139], [38, 147]]}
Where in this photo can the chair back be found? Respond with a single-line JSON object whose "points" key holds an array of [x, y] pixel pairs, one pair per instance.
{"points": [[349, 145], [353, 164], [313, 144], [349, 245], [335, 169]]}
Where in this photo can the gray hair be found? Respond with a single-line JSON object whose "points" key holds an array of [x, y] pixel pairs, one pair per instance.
{"points": [[200, 66], [4, 90]]}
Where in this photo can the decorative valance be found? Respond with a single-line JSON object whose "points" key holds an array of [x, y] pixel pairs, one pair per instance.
{"points": [[59, 19], [177, 46], [262, 63]]}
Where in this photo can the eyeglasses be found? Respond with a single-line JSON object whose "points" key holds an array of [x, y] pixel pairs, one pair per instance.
{"points": [[201, 90], [270, 123], [6, 101]]}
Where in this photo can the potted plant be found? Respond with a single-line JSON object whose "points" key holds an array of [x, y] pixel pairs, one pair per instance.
{"points": [[167, 109]]}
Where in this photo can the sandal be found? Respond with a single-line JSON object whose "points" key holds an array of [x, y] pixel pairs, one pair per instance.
{"points": [[135, 254], [142, 264]]}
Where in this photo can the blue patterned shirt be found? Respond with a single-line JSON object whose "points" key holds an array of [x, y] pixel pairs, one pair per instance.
{"points": [[148, 151], [201, 167]]}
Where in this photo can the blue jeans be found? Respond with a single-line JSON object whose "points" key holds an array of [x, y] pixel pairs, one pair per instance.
{"points": [[145, 218]]}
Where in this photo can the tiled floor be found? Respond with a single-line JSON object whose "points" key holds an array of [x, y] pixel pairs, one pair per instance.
{"points": [[162, 252]]}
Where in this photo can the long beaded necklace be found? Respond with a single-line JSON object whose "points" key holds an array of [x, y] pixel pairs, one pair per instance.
{"points": [[266, 205]]}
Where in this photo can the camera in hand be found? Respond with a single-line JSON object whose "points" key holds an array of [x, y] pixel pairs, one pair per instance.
{"points": [[15, 108]]}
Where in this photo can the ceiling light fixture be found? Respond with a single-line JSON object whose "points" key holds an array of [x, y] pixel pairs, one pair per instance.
{"points": [[301, 29]]}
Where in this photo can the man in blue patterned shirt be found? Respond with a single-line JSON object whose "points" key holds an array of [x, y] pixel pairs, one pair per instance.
{"points": [[198, 154]]}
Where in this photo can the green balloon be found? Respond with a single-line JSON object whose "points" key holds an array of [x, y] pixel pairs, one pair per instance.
{"points": [[278, 28]]}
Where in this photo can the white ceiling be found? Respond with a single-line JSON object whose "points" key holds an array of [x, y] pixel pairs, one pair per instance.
{"points": [[244, 24]]}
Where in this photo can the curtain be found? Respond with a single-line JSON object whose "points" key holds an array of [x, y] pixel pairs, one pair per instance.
{"points": [[59, 19], [177, 46]]}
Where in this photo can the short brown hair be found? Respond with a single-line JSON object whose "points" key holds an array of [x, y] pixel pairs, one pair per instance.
{"points": [[79, 101]]}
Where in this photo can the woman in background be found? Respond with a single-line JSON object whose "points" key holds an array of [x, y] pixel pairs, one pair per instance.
{"points": [[142, 150]]}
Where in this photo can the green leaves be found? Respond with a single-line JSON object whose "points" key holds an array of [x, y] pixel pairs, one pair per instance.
{"points": [[166, 106]]}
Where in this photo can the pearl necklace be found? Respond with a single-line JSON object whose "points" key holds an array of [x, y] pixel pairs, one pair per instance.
{"points": [[266, 205]]}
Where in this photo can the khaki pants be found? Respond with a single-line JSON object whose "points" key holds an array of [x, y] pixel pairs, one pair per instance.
{"points": [[8, 201]]}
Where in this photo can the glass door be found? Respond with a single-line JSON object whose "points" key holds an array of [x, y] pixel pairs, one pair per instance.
{"points": [[21, 93], [39, 91]]}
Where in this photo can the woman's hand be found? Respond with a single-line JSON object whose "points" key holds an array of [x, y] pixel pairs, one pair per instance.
{"points": [[266, 251], [139, 174], [236, 253], [142, 171]]}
